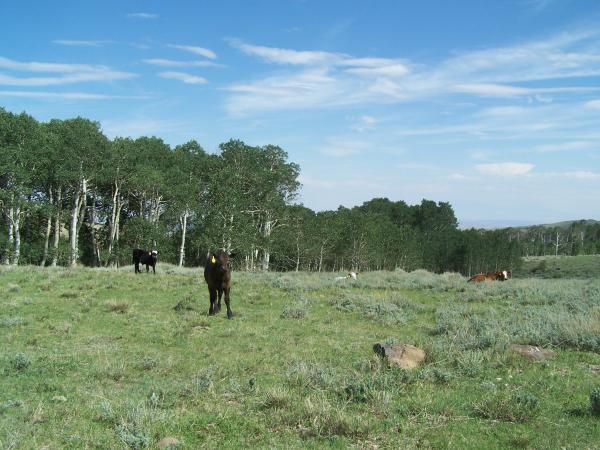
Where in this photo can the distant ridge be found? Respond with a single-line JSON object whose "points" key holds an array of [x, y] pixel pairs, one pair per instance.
{"points": [[494, 224], [523, 224]]}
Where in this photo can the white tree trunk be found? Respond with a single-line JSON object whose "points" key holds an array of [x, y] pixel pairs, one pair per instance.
{"points": [[78, 204], [92, 218], [115, 219], [10, 237], [297, 253], [57, 224], [48, 230], [266, 255], [17, 226], [183, 222]]}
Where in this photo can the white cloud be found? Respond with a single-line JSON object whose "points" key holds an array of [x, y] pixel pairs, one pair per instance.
{"points": [[332, 184], [196, 50], [69, 95], [306, 89], [583, 175], [500, 90], [567, 146], [493, 72], [391, 70], [593, 104], [142, 15], [175, 63], [364, 123], [71, 73], [341, 148], [142, 126], [81, 43], [505, 169], [286, 56], [182, 76]]}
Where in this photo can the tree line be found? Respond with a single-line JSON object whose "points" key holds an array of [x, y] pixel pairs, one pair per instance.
{"points": [[69, 195]]}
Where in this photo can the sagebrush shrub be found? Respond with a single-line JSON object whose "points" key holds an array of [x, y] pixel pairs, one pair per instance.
{"points": [[595, 401]]}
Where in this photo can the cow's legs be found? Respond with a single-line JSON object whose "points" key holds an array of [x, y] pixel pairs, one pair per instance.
{"points": [[228, 303], [147, 268], [137, 267], [218, 307], [213, 300]]}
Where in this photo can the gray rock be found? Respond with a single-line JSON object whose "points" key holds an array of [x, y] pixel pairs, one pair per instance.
{"points": [[532, 352], [405, 356], [169, 443]]}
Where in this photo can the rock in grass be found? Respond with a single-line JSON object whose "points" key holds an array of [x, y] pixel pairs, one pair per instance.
{"points": [[532, 352], [405, 356], [59, 398], [168, 443]]}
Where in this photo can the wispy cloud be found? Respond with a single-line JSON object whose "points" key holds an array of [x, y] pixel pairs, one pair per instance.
{"points": [[330, 183], [184, 77], [176, 63], [505, 169], [82, 43], [196, 50], [568, 146], [504, 72], [287, 56], [70, 73], [500, 90], [593, 104], [141, 126], [69, 95], [537, 5], [340, 148], [142, 15], [364, 122]]}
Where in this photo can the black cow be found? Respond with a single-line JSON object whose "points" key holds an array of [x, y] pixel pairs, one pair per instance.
{"points": [[217, 274], [145, 257]]}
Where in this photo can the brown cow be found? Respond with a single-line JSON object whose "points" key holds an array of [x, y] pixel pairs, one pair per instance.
{"points": [[217, 274], [490, 276]]}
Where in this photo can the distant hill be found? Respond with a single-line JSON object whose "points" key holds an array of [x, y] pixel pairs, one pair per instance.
{"points": [[494, 224], [522, 224], [567, 223]]}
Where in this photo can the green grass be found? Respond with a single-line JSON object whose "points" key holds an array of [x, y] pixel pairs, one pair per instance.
{"points": [[582, 266], [93, 358]]}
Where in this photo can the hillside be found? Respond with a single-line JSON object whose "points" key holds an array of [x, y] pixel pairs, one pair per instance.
{"points": [[581, 266]]}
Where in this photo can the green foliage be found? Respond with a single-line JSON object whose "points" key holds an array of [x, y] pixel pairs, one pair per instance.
{"points": [[20, 361], [508, 406], [595, 401], [112, 196]]}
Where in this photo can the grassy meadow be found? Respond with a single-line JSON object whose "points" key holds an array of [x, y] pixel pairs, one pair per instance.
{"points": [[95, 358], [581, 266]]}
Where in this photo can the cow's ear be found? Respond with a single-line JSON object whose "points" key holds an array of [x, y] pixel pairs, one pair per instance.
{"points": [[232, 255]]}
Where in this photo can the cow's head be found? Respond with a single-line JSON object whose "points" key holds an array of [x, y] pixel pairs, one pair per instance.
{"points": [[154, 253], [505, 274], [220, 261]]}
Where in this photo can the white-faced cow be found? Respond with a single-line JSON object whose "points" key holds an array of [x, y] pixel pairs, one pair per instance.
{"points": [[490, 276], [145, 257], [217, 274]]}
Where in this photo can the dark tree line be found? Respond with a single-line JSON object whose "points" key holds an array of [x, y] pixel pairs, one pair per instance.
{"points": [[69, 195]]}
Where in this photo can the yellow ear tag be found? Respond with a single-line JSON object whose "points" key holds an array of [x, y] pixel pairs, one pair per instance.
{"points": [[213, 260]]}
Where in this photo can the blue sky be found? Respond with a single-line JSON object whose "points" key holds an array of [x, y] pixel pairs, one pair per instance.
{"points": [[491, 106]]}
